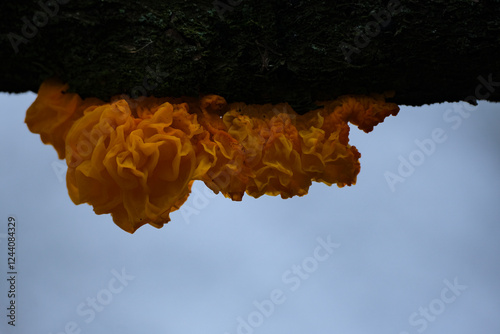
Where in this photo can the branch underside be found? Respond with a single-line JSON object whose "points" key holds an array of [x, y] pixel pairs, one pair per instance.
{"points": [[255, 51]]}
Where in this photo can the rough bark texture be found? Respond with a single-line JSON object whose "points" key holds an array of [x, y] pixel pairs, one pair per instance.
{"points": [[255, 51]]}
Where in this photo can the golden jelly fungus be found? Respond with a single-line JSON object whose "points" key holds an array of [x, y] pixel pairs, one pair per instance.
{"points": [[137, 159]]}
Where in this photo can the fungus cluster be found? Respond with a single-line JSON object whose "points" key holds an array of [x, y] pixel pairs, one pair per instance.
{"points": [[137, 159]]}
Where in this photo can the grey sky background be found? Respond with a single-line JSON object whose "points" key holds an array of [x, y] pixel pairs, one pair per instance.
{"points": [[396, 252]]}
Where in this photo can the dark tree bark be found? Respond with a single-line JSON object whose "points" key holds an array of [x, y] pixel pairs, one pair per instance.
{"points": [[297, 51]]}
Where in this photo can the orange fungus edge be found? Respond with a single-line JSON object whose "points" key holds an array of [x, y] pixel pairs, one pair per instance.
{"points": [[138, 158]]}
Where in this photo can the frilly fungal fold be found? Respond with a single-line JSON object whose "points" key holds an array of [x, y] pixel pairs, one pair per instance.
{"points": [[137, 159]]}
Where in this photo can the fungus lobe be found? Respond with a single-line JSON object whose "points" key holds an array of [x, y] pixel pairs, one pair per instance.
{"points": [[137, 159]]}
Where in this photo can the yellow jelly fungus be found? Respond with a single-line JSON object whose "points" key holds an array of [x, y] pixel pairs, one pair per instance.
{"points": [[137, 159]]}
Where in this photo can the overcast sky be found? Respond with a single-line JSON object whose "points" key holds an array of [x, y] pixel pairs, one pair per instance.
{"points": [[412, 248]]}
